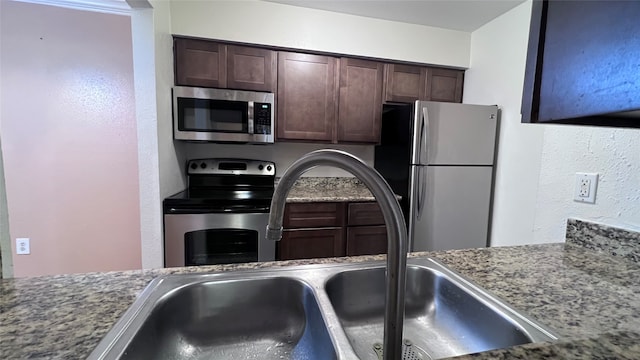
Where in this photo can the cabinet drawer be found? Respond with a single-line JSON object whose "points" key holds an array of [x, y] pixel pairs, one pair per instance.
{"points": [[311, 243], [311, 215], [366, 240], [365, 213]]}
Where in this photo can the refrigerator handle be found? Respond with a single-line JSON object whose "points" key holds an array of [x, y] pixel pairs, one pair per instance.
{"points": [[421, 193], [424, 136]]}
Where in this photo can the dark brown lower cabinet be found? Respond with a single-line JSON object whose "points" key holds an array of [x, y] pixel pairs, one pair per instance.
{"points": [[366, 240], [311, 243], [331, 229]]}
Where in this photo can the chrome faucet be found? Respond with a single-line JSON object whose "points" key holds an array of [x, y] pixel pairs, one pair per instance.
{"points": [[396, 231]]}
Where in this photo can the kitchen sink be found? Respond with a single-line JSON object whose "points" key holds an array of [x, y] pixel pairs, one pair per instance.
{"points": [[443, 318], [311, 312], [193, 318]]}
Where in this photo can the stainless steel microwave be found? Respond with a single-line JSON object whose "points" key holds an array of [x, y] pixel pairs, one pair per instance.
{"points": [[221, 115]]}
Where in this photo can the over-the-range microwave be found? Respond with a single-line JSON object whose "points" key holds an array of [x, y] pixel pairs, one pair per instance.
{"points": [[222, 115]]}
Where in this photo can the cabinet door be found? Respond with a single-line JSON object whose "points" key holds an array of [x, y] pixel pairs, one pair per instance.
{"points": [[360, 110], [311, 243], [405, 83], [307, 97], [307, 215], [365, 213], [444, 85], [366, 240], [583, 63], [200, 63], [251, 68]]}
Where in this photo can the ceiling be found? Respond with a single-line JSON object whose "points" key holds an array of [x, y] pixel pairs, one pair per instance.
{"points": [[463, 15]]}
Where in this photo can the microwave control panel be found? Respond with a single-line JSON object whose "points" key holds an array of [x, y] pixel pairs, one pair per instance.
{"points": [[262, 118]]}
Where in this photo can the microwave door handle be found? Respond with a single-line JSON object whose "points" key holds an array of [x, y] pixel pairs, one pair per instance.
{"points": [[250, 115]]}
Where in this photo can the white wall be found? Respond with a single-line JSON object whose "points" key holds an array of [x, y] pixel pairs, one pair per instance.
{"points": [[496, 76], [5, 238], [283, 154], [144, 58], [296, 27], [159, 162], [613, 153], [537, 163]]}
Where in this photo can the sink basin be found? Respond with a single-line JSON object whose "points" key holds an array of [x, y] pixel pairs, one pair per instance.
{"points": [[312, 312], [192, 318], [443, 318]]}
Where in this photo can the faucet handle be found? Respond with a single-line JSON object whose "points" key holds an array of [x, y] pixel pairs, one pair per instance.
{"points": [[274, 234]]}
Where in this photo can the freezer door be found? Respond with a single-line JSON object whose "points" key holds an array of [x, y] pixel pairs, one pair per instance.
{"points": [[454, 134], [450, 207]]}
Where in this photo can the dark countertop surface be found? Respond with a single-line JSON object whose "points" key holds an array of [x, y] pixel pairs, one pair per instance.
{"points": [[589, 299]]}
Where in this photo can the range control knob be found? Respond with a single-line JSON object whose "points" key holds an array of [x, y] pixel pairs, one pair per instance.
{"points": [[203, 165], [269, 168], [260, 167], [194, 166]]}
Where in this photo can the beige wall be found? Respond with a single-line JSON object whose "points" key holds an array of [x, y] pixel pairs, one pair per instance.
{"points": [[275, 24], [69, 139], [260, 22]]}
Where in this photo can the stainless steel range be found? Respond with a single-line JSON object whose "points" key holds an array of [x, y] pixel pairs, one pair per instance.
{"points": [[222, 216]]}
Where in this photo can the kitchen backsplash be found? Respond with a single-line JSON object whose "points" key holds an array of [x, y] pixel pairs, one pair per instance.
{"points": [[283, 154], [609, 239]]}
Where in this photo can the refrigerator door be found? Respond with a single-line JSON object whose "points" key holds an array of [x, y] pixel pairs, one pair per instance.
{"points": [[450, 207], [453, 134]]}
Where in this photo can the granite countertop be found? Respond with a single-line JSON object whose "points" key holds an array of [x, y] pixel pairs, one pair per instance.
{"points": [[319, 189], [587, 296]]}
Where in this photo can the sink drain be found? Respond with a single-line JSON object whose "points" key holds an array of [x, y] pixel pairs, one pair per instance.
{"points": [[409, 351]]}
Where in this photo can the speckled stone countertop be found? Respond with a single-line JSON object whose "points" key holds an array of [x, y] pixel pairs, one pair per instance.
{"points": [[317, 189], [589, 298]]}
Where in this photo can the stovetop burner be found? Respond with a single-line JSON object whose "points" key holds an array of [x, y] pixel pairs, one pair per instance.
{"points": [[225, 185]]}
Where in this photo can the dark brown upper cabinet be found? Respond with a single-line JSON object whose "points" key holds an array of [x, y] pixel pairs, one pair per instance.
{"points": [[444, 85], [408, 83], [307, 102], [360, 107], [405, 83], [207, 63], [319, 98], [251, 68], [583, 63], [200, 63]]}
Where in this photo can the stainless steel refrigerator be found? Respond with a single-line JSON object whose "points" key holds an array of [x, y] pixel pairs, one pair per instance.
{"points": [[440, 158]]}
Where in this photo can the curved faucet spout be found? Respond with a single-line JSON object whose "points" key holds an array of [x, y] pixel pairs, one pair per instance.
{"points": [[394, 220]]}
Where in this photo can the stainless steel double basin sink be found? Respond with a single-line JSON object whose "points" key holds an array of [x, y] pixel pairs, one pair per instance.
{"points": [[309, 312]]}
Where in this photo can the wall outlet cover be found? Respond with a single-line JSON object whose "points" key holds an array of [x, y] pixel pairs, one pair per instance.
{"points": [[585, 188], [22, 246]]}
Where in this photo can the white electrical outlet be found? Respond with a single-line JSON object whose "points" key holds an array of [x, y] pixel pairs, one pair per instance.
{"points": [[586, 184], [22, 246]]}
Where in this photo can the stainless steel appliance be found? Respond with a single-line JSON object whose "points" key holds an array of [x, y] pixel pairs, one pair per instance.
{"points": [[222, 216], [222, 115], [439, 157]]}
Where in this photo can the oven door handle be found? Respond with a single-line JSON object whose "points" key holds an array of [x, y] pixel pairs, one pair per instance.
{"points": [[216, 210]]}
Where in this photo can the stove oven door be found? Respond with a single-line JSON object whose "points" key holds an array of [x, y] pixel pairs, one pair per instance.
{"points": [[216, 238]]}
